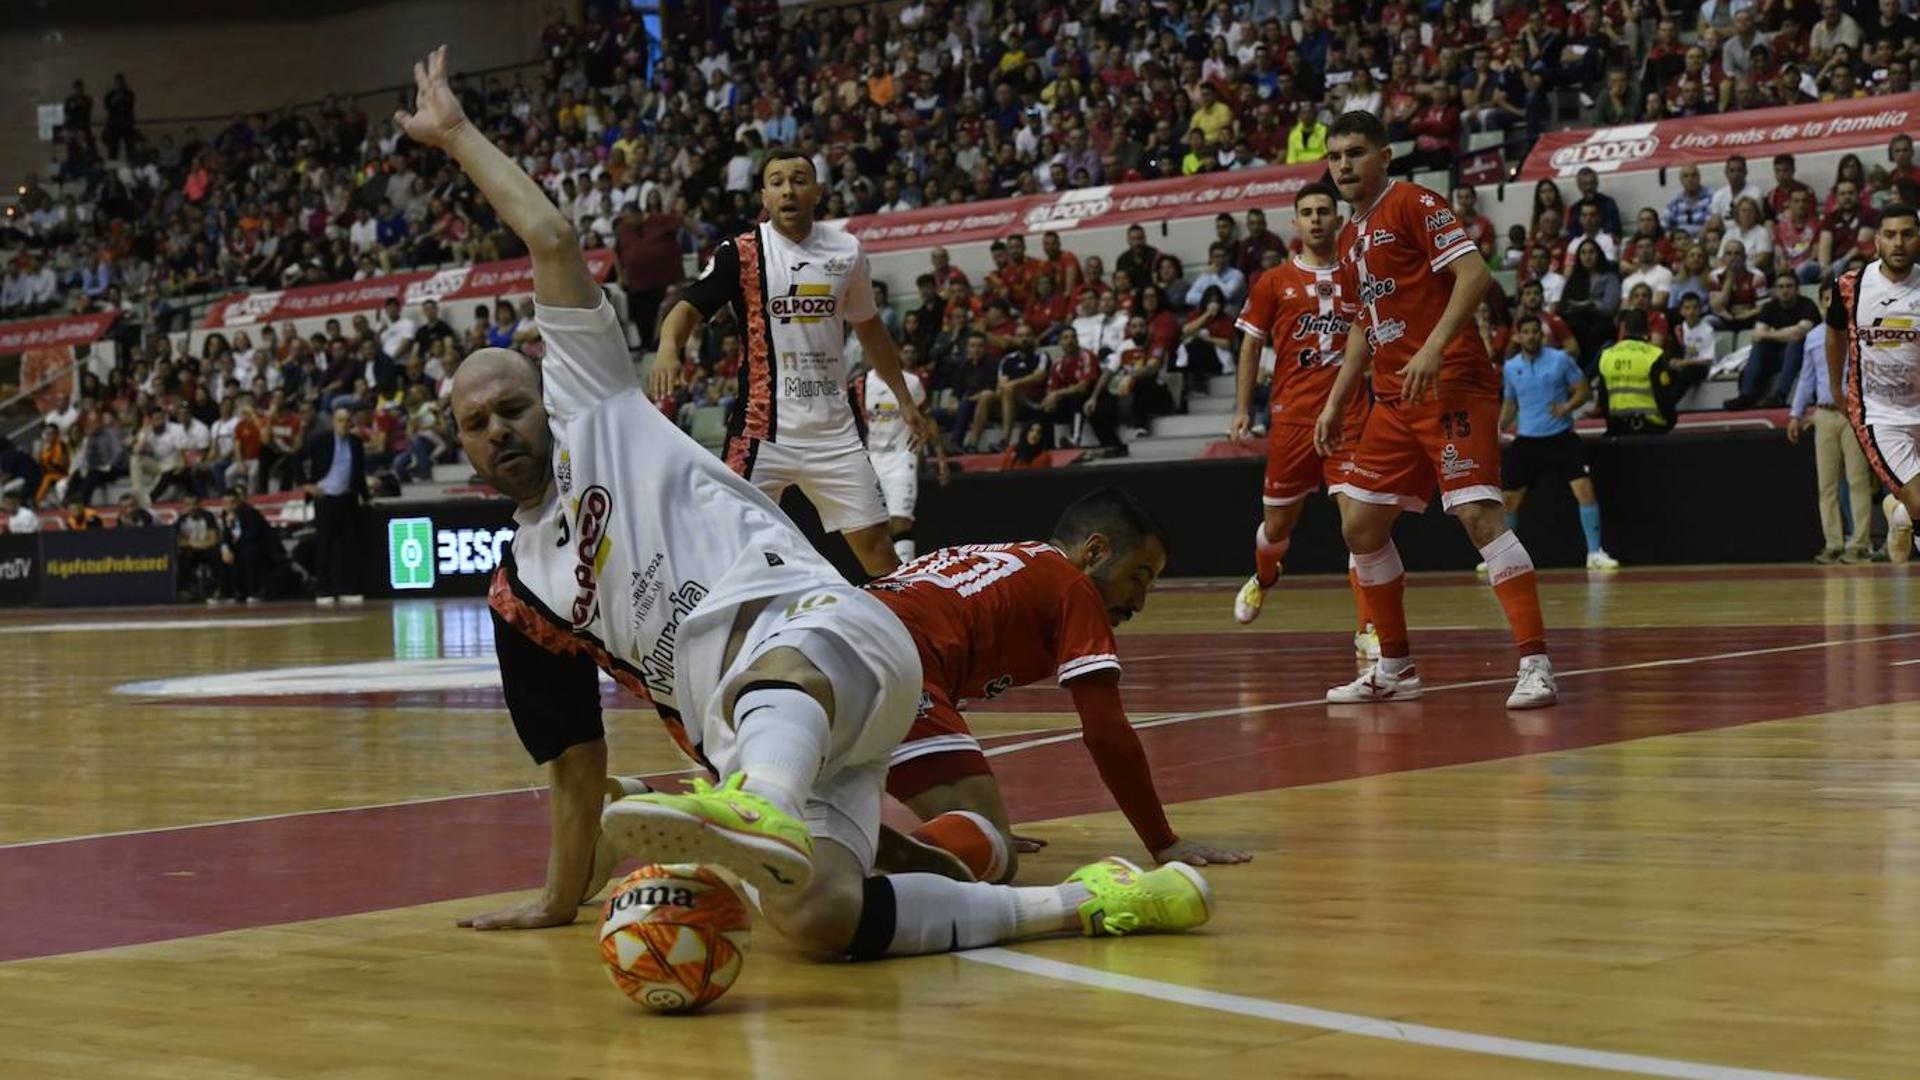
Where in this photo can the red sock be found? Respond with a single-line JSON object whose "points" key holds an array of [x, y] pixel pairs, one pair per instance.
{"points": [[969, 837], [1267, 555], [1383, 583], [1360, 619], [1510, 572]]}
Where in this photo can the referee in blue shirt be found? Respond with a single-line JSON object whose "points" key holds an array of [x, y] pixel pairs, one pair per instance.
{"points": [[1543, 388]]}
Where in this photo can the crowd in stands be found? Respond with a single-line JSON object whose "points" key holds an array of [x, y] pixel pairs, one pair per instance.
{"points": [[652, 148]]}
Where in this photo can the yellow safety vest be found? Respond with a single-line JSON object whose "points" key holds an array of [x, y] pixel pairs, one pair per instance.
{"points": [[1627, 366]]}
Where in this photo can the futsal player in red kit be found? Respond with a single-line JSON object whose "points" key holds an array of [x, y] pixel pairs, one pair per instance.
{"points": [[1303, 311], [1435, 421], [990, 617]]}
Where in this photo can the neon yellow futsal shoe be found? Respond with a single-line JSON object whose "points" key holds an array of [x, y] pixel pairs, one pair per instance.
{"points": [[1129, 900], [725, 825]]}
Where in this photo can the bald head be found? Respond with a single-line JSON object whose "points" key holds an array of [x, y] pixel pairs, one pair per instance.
{"points": [[503, 424]]}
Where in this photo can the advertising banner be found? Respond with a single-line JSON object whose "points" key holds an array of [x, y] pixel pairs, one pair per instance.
{"points": [[438, 549], [1798, 129], [53, 333], [19, 570], [1200, 195], [454, 283], [107, 567]]}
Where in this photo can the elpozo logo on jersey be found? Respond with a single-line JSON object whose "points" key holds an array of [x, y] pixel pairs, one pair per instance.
{"points": [[806, 304], [1607, 149]]}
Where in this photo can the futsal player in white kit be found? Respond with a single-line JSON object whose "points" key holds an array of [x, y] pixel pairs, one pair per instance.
{"points": [[794, 288], [896, 460], [639, 553], [1873, 351]]}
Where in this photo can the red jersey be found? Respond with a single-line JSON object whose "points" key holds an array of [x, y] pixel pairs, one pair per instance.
{"points": [[1392, 255], [1070, 369], [990, 617], [1304, 312]]}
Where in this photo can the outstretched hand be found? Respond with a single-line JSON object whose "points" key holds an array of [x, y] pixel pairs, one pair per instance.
{"points": [[1195, 853], [437, 116], [531, 915]]}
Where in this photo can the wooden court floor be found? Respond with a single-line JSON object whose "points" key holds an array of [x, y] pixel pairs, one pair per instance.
{"points": [[233, 843]]}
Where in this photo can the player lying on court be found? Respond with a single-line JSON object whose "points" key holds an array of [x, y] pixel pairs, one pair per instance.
{"points": [[1303, 310], [990, 617], [1435, 420], [640, 553], [1873, 350]]}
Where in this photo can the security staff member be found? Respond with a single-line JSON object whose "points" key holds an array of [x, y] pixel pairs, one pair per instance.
{"points": [[1634, 375]]}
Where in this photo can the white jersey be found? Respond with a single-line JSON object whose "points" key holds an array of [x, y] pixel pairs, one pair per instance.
{"points": [[886, 432], [647, 544], [793, 303], [1882, 319]]}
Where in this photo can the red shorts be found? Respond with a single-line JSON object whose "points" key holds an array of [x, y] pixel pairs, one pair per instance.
{"points": [[938, 749], [1295, 469], [1407, 450]]}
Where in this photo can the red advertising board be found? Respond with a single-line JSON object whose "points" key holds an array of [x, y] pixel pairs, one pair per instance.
{"points": [[455, 283], [1800, 129], [52, 333], [1096, 207]]}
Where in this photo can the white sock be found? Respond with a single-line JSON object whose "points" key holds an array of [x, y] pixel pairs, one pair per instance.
{"points": [[782, 743], [904, 548], [1506, 558], [933, 914], [1395, 665], [1538, 660], [1900, 519]]}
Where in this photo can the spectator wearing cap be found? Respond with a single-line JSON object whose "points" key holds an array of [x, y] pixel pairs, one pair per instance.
{"points": [[1835, 446]]}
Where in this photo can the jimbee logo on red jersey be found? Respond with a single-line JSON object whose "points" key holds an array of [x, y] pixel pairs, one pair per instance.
{"points": [[1313, 325], [806, 304], [1373, 289], [596, 509]]}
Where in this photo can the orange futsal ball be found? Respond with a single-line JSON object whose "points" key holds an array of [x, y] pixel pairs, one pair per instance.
{"points": [[673, 937]]}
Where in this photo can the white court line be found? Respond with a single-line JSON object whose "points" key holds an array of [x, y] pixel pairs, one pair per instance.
{"points": [[1903, 663], [169, 624], [1367, 1026], [1275, 706]]}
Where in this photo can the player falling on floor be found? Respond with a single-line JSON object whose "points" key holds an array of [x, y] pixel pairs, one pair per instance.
{"points": [[794, 288], [1436, 412], [990, 617], [1301, 309], [891, 447], [640, 553], [1873, 349]]}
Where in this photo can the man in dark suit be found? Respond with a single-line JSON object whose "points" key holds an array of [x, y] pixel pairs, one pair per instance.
{"points": [[336, 481], [251, 547]]}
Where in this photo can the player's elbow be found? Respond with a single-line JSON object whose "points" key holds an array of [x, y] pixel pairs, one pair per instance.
{"points": [[552, 236]]}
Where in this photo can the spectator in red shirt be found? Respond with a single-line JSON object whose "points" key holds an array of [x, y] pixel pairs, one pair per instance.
{"points": [[944, 271], [1784, 185], [1736, 289], [1163, 326], [1901, 168], [1070, 379], [1640, 298], [646, 248], [1466, 210], [1796, 238], [1062, 264], [1252, 248], [1846, 233], [1046, 313]]}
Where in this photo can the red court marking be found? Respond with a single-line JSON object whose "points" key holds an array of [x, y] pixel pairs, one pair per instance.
{"points": [[70, 896]]}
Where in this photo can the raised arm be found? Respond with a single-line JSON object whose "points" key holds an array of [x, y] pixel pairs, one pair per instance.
{"points": [[560, 274]]}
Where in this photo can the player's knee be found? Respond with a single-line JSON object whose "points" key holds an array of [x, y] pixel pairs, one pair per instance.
{"points": [[1362, 534], [791, 666]]}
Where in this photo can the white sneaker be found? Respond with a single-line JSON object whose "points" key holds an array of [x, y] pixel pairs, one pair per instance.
{"points": [[1246, 602], [1376, 685], [1534, 688], [353, 598], [1480, 568], [1600, 560], [323, 601], [1899, 537]]}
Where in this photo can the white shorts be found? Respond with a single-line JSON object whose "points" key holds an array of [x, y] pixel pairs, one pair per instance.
{"points": [[899, 473], [1894, 451], [874, 668], [838, 480]]}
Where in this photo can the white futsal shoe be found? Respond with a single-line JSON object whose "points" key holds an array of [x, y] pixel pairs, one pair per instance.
{"points": [[1534, 688], [1600, 560], [1247, 602], [1899, 537], [1375, 685]]}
